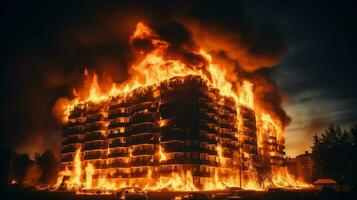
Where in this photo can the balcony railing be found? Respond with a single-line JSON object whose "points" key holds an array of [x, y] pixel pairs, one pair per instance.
{"points": [[94, 136], [142, 140], [95, 127], [92, 146], [95, 119], [68, 149], [119, 165], [117, 124], [144, 152], [118, 154], [229, 136], [118, 144], [92, 156], [118, 114]]}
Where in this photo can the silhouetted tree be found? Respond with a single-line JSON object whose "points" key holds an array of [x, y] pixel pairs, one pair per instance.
{"points": [[334, 152], [18, 165], [5, 157], [50, 166]]}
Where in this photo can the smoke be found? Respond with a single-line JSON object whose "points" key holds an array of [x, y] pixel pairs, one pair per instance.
{"points": [[255, 67], [95, 36]]}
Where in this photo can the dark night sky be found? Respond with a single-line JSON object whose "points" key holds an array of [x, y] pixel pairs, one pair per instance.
{"points": [[45, 46]]}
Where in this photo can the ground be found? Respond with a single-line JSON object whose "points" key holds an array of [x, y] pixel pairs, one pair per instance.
{"points": [[16, 193]]}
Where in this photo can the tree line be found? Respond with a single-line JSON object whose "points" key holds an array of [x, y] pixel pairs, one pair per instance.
{"points": [[42, 170], [335, 154]]}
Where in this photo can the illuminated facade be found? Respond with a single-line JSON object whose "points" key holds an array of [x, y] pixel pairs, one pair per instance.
{"points": [[180, 125]]}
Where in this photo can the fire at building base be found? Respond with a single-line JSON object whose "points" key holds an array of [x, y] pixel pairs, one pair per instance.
{"points": [[182, 129]]}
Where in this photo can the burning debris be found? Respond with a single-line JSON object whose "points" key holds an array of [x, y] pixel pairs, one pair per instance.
{"points": [[177, 123]]}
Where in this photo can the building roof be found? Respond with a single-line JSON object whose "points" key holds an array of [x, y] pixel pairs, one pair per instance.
{"points": [[325, 181]]}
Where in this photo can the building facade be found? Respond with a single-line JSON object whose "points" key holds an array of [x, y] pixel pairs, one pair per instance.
{"points": [[302, 167], [180, 125]]}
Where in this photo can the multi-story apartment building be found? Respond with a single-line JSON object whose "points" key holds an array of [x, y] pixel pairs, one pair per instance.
{"points": [[179, 125]]}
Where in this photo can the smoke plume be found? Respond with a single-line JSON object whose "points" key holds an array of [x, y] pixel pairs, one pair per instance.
{"points": [[95, 36]]}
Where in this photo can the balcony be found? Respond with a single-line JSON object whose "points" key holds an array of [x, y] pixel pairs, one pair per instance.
{"points": [[76, 114], [117, 124], [118, 165], [144, 117], [209, 140], [207, 119], [93, 110], [138, 174], [174, 148], [203, 108], [143, 128], [171, 137], [114, 115], [116, 135], [92, 156], [144, 152], [142, 140], [74, 124], [95, 119], [94, 136], [142, 163], [117, 144], [189, 161], [100, 166], [230, 109], [125, 105], [229, 136], [95, 127], [68, 149], [143, 104], [207, 129], [250, 142], [230, 146], [118, 154], [92, 146]]}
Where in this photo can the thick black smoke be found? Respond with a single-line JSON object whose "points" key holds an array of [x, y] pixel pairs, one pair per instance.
{"points": [[46, 47]]}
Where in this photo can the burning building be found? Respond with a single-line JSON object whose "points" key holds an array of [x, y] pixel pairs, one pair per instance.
{"points": [[180, 125], [171, 125]]}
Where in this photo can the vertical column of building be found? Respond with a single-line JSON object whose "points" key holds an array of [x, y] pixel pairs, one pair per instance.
{"points": [[180, 133], [173, 130], [143, 133], [272, 149], [207, 132], [73, 135], [208, 123], [228, 144], [119, 117], [248, 140], [94, 140]]}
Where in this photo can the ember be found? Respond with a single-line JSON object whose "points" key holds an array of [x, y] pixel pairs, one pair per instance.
{"points": [[172, 126]]}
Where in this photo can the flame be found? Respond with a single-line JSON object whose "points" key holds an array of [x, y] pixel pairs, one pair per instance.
{"points": [[246, 94], [151, 69], [162, 155], [220, 154], [89, 173]]}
